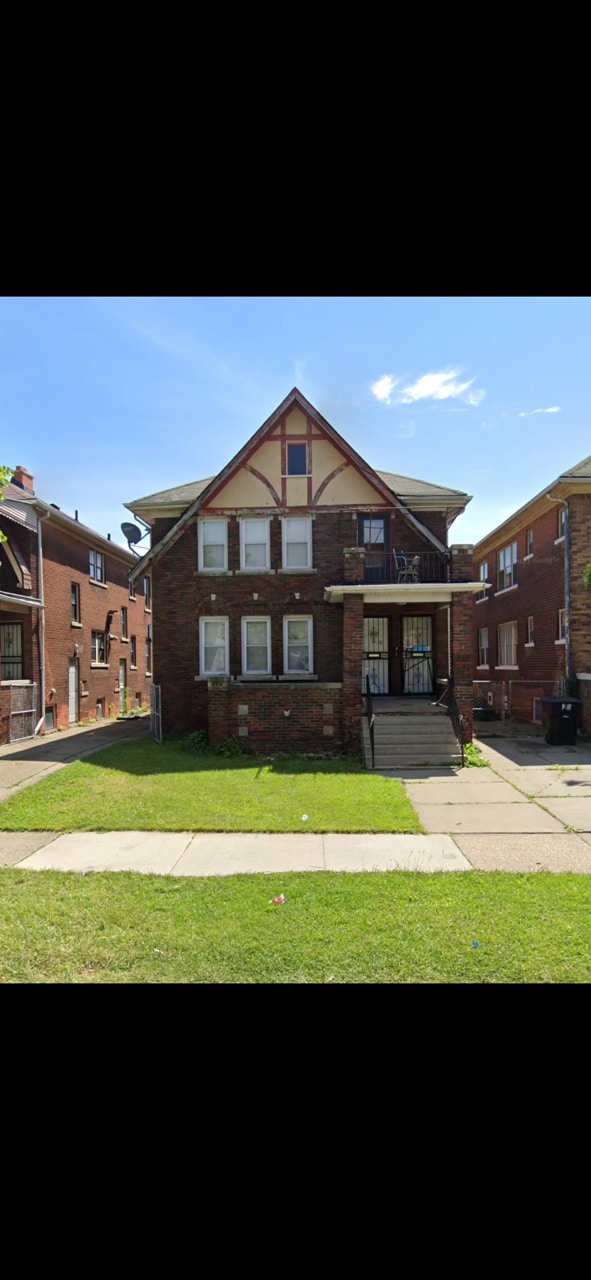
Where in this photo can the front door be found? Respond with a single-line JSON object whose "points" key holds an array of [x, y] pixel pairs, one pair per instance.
{"points": [[73, 691], [417, 655], [122, 683], [375, 656]]}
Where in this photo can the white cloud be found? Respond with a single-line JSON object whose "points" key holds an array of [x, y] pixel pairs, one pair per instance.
{"points": [[383, 388], [300, 367], [555, 408], [431, 386]]}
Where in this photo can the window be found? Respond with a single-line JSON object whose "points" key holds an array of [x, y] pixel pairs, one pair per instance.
{"points": [[147, 594], [148, 648], [75, 601], [562, 624], [507, 567], [213, 655], [297, 543], [507, 645], [213, 545], [561, 522], [97, 566], [256, 646], [100, 708], [97, 646], [254, 544], [483, 647], [530, 630], [124, 623], [133, 651], [482, 577], [132, 591], [529, 542], [11, 651], [297, 645], [297, 460], [372, 532]]}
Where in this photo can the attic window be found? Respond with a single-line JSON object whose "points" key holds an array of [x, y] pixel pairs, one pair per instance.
{"points": [[296, 460]]}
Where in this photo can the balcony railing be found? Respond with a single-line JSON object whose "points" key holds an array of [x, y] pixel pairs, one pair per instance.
{"points": [[405, 566]]}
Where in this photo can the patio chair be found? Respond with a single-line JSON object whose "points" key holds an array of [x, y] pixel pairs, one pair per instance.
{"points": [[411, 572]]}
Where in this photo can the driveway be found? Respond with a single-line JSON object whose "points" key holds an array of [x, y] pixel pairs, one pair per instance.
{"points": [[22, 763]]}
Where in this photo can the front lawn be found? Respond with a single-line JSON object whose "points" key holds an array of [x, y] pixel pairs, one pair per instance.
{"points": [[146, 787], [334, 927]]}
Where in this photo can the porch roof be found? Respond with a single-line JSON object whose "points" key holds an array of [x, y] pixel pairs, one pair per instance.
{"points": [[401, 593]]}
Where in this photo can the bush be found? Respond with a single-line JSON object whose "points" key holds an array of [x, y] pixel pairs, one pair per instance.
{"points": [[198, 742], [473, 757], [231, 747]]}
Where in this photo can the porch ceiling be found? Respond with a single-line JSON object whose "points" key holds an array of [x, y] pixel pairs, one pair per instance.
{"points": [[401, 593]]}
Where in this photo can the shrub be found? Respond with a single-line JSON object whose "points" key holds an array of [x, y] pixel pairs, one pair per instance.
{"points": [[198, 742]]}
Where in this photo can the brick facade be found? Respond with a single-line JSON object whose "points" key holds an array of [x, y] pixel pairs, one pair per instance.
{"points": [[277, 717]]}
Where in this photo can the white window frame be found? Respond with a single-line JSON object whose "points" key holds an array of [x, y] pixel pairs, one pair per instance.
{"points": [[286, 521], [482, 577], [133, 652], [256, 568], [148, 594], [96, 566], [502, 653], [94, 649], [529, 542], [483, 649], [226, 622], [507, 560], [561, 523], [148, 643], [298, 617], [259, 671], [562, 624], [530, 631], [200, 527]]}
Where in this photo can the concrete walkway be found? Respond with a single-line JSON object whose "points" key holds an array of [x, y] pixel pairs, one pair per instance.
{"points": [[529, 811]]}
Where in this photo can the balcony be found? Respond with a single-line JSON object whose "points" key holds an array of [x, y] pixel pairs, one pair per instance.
{"points": [[405, 566]]}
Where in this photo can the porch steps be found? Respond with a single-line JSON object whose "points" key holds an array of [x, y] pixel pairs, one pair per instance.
{"points": [[410, 741]]}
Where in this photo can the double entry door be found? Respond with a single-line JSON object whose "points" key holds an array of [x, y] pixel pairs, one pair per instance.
{"points": [[398, 655]]}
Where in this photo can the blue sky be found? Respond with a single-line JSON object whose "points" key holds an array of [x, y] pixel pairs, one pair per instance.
{"points": [[107, 399]]}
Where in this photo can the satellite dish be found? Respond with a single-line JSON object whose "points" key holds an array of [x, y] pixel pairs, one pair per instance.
{"points": [[131, 532]]}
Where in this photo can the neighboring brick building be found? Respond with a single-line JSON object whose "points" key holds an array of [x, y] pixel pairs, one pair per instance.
{"points": [[72, 630], [284, 581], [532, 623]]}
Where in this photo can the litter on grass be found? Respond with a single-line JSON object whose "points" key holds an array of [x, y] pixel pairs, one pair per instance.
{"points": [[278, 902]]}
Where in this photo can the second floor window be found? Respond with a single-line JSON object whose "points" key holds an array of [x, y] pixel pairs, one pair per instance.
{"points": [[97, 646], [507, 567], [213, 545], [530, 630], [482, 577], [561, 522], [148, 648], [562, 624], [147, 594], [529, 542], [254, 545], [75, 601], [124, 623], [133, 651], [97, 566], [297, 543]]}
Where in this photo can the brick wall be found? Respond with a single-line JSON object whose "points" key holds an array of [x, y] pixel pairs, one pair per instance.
{"points": [[28, 618], [66, 561], [461, 562], [461, 657], [281, 717], [579, 507], [540, 593]]}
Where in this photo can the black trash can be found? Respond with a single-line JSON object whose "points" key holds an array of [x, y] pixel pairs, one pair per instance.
{"points": [[560, 718]]}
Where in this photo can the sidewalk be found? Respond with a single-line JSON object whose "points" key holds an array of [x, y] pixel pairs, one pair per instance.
{"points": [[529, 811]]}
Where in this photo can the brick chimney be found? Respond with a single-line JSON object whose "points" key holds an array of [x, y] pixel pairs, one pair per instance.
{"points": [[23, 479]]}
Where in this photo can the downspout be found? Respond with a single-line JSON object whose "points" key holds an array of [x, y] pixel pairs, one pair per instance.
{"points": [[564, 504], [40, 520]]}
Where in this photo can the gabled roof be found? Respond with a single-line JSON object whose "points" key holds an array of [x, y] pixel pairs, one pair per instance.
{"points": [[582, 471], [182, 493], [203, 491], [408, 487], [22, 507]]}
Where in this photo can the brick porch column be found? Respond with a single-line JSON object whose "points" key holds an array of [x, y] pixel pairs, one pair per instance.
{"points": [[354, 564], [462, 657], [352, 660], [218, 698]]}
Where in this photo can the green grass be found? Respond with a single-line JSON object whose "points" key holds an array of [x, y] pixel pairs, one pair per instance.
{"points": [[473, 757], [336, 928], [146, 787]]}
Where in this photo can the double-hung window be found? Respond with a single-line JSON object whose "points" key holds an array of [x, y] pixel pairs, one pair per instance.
{"points": [[256, 646], [562, 624], [561, 522], [298, 655], [507, 567], [124, 622], [213, 545], [148, 649], [507, 644], [297, 543], [214, 658], [97, 646], [75, 601], [133, 651], [483, 647], [254, 545], [147, 593], [97, 566], [482, 577]]}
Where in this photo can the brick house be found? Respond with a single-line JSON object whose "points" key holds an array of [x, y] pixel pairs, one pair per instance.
{"points": [[74, 643], [280, 584], [532, 616]]}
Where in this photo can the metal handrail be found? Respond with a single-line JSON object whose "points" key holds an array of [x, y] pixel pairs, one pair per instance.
{"points": [[404, 567], [455, 716], [370, 713]]}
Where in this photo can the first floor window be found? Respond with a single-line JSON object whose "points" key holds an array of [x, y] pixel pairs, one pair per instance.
{"points": [[256, 646], [133, 651], [254, 544], [297, 543], [483, 647], [507, 567], [297, 645], [562, 624], [75, 601], [11, 650], [213, 545], [530, 630], [97, 646], [482, 577], [97, 566], [214, 654], [507, 645], [148, 648]]}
